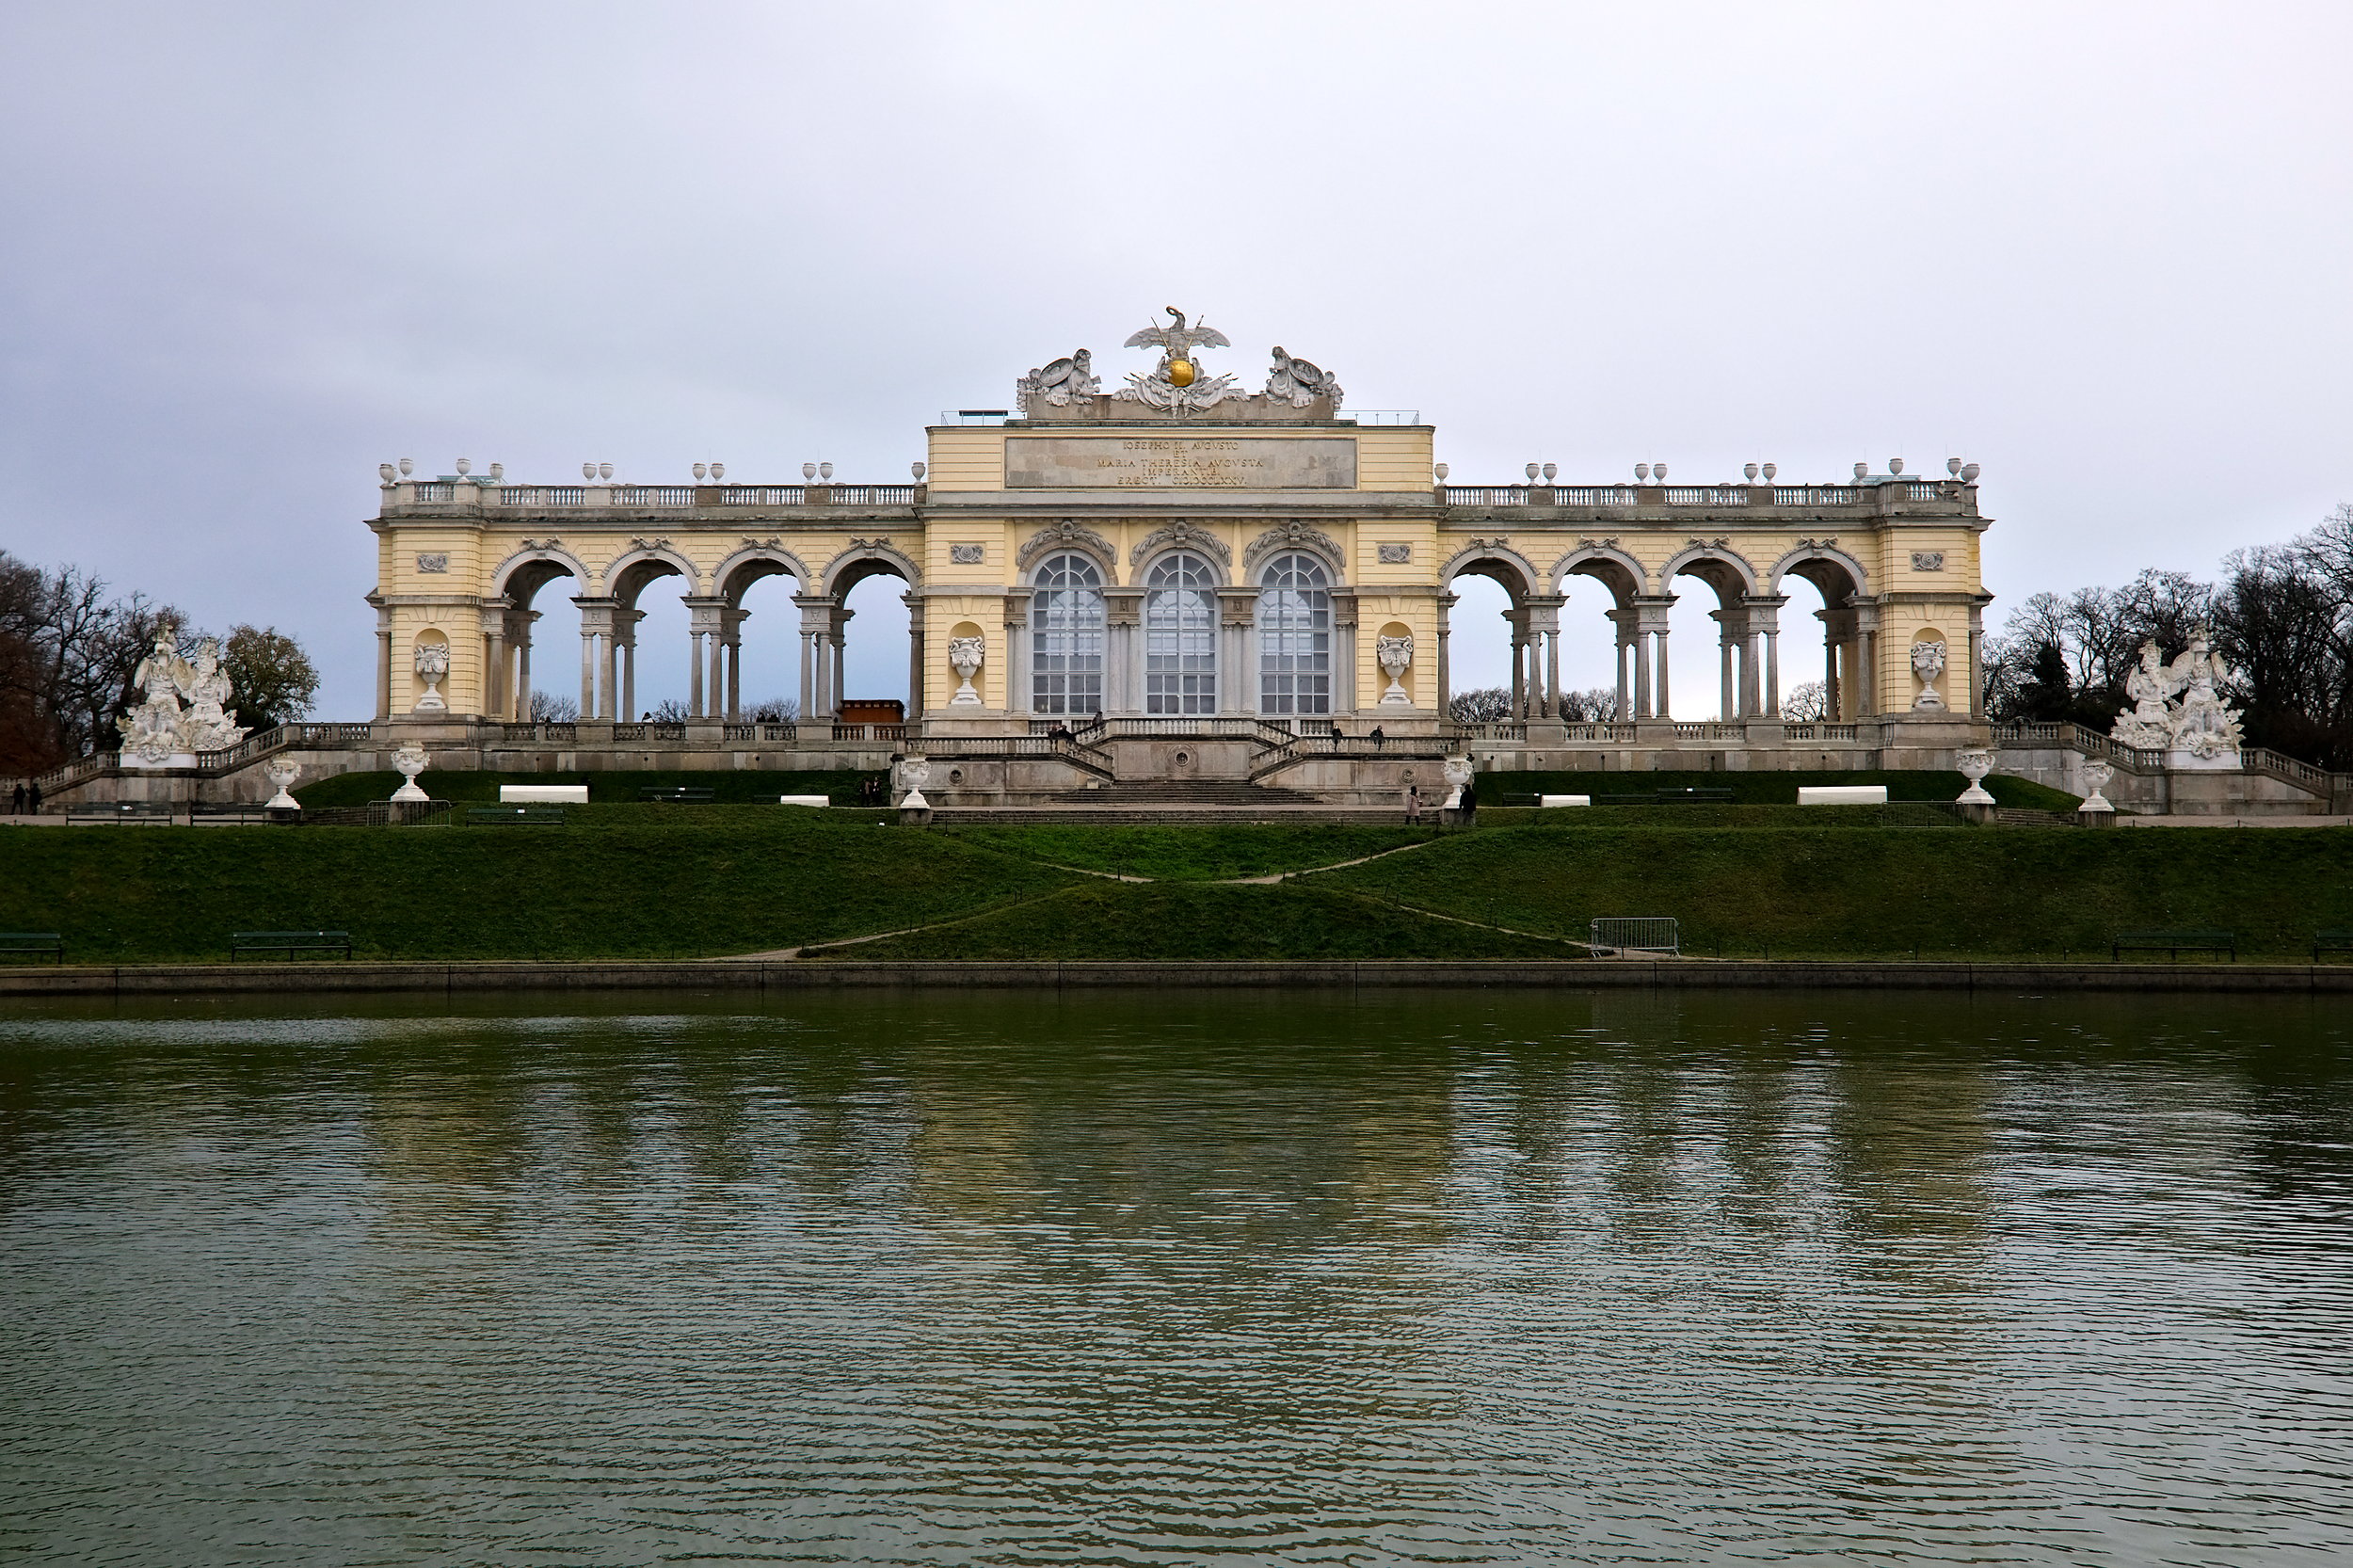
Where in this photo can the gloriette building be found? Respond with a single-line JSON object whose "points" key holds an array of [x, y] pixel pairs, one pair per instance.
{"points": [[1239, 581]]}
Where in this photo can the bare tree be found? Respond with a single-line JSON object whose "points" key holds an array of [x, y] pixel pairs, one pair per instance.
{"points": [[774, 709], [1804, 703], [549, 707], [1480, 705], [1594, 705]]}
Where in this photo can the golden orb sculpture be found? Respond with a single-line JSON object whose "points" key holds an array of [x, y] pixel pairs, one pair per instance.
{"points": [[1180, 373]]}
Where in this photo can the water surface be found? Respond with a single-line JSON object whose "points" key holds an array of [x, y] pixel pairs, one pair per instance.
{"points": [[1191, 1278]]}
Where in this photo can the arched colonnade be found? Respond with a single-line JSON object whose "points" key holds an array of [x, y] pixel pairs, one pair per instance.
{"points": [[1748, 601], [715, 618]]}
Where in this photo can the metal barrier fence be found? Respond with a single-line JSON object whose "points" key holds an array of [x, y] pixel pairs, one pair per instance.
{"points": [[1617, 936]]}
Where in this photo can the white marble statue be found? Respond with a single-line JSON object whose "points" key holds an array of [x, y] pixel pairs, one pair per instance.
{"points": [[281, 775], [1061, 382], [1175, 385], [1928, 662], [964, 656], [1395, 654], [159, 732], [433, 668], [2197, 731], [1300, 382], [409, 761]]}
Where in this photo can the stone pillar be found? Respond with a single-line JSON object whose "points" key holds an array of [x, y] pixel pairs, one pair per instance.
{"points": [[493, 622], [1977, 661], [522, 666], [1344, 653], [596, 657], [625, 634], [733, 620], [1020, 689], [1867, 677], [1621, 634], [841, 639], [1123, 661], [383, 662], [1446, 672], [1237, 671], [1653, 698], [1764, 614], [816, 675], [913, 599], [1540, 617]]}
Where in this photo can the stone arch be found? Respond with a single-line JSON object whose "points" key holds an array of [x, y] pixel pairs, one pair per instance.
{"points": [[627, 575], [1190, 539], [866, 558], [521, 576], [1074, 537], [1608, 565], [1496, 561], [747, 564], [1719, 566], [1837, 574], [1296, 538]]}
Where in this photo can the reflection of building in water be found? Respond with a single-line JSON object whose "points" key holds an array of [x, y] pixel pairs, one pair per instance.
{"points": [[1908, 1148]]}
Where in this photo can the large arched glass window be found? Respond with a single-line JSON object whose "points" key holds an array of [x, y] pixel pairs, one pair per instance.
{"points": [[1067, 636], [1295, 636], [1181, 636]]}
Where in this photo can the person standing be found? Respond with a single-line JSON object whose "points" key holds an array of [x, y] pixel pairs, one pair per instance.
{"points": [[16, 800], [1413, 805], [32, 797]]}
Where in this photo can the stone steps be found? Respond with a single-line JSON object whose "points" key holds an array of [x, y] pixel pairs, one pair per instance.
{"points": [[1188, 791], [1161, 816]]}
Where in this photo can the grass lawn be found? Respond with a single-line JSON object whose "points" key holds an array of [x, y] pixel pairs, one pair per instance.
{"points": [[628, 879], [1112, 920]]}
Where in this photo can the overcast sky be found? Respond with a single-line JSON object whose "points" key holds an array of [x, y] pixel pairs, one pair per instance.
{"points": [[251, 250]]}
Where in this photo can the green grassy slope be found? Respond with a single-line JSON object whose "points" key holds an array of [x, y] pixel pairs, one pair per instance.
{"points": [[1882, 892], [1110, 921], [731, 880], [1189, 854]]}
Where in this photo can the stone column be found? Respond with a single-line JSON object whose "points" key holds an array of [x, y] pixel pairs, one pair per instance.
{"points": [[625, 634], [1621, 636], [596, 657], [1653, 698], [493, 691], [1020, 689], [1540, 615], [1763, 613], [841, 639], [383, 662], [913, 599], [1123, 674], [1237, 671], [1977, 661], [816, 679], [733, 620], [1344, 653], [1867, 678], [1516, 619], [1446, 672], [522, 665]]}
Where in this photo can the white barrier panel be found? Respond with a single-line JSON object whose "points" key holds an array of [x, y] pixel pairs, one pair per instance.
{"points": [[1842, 794], [569, 795], [1564, 800], [803, 800]]}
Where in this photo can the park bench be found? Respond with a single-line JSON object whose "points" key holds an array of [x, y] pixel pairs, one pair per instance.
{"points": [[235, 814], [516, 816], [155, 813], [2331, 941], [2174, 943], [290, 942], [679, 796], [33, 941]]}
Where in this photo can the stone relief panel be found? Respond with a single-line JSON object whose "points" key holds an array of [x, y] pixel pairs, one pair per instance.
{"points": [[1397, 554], [435, 560], [1066, 534], [1291, 536], [968, 554], [1928, 560], [1181, 535]]}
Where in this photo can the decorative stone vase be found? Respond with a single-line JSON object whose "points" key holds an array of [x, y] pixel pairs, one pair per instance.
{"points": [[409, 761], [1928, 662], [1975, 764], [2097, 776], [914, 772], [964, 656], [281, 775], [1396, 655], [1458, 772], [433, 667]]}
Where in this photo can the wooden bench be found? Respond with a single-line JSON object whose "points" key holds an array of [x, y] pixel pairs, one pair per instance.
{"points": [[236, 814], [1668, 797], [49, 942], [129, 812], [516, 816], [290, 942], [2174, 943], [2331, 941], [677, 796]]}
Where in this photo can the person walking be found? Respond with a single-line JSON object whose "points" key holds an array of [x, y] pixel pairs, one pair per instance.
{"points": [[32, 798], [1376, 737], [1413, 805], [16, 800]]}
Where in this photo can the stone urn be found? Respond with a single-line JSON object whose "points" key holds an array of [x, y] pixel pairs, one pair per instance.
{"points": [[1975, 764], [1396, 655], [1458, 772], [1928, 662], [409, 761], [2098, 775], [433, 668], [964, 656], [281, 776], [914, 772]]}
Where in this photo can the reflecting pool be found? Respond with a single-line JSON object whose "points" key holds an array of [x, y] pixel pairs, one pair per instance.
{"points": [[1210, 1277]]}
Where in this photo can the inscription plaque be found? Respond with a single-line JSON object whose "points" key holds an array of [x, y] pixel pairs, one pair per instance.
{"points": [[1179, 463]]}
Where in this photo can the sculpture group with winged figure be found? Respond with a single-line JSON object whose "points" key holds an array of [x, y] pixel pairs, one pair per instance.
{"points": [[1176, 384]]}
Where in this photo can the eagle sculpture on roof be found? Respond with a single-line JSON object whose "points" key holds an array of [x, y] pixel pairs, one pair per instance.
{"points": [[1176, 384], [1178, 342]]}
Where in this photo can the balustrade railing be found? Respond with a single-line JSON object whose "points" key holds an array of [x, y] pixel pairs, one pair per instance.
{"points": [[539, 495], [869, 731], [1593, 495], [1489, 732], [427, 494], [654, 495], [763, 495], [873, 495], [1706, 495], [1601, 734], [1814, 495], [1486, 495], [629, 731]]}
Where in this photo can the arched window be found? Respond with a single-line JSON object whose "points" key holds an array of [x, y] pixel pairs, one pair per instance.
{"points": [[1181, 636], [1294, 637], [1067, 637]]}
